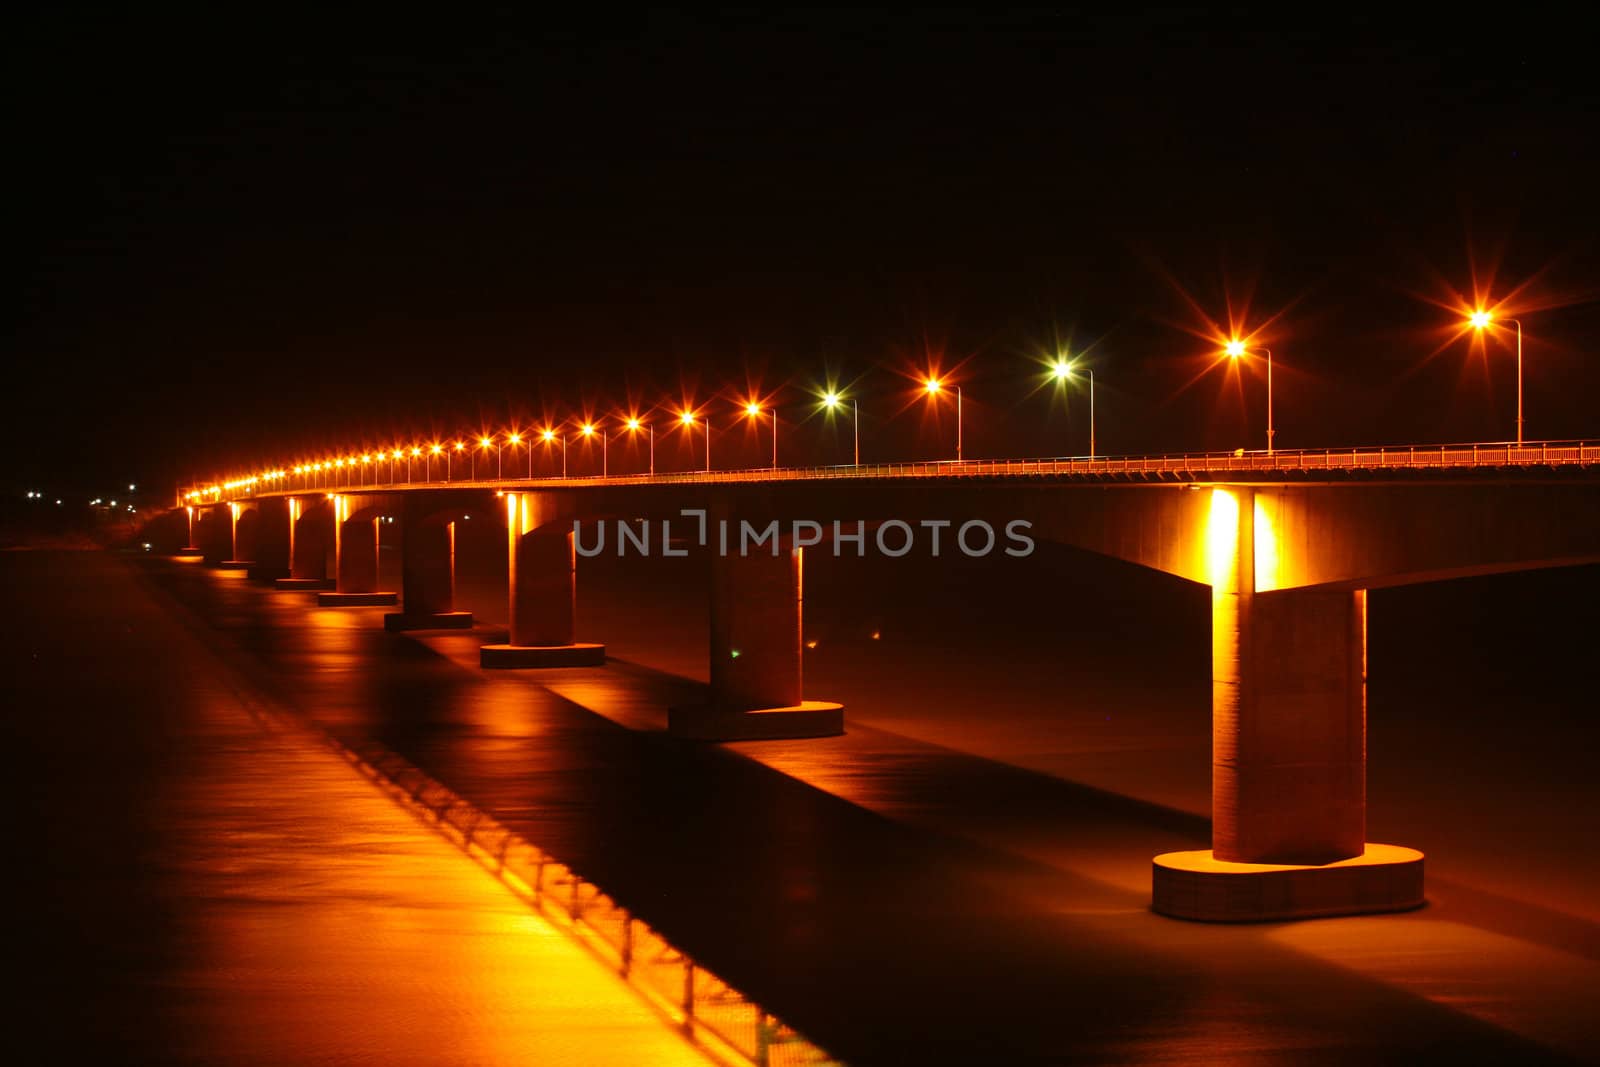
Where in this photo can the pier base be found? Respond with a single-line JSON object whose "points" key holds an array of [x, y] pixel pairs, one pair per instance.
{"points": [[236, 564], [809, 718], [1196, 885], [305, 583], [443, 620], [513, 657], [357, 600]]}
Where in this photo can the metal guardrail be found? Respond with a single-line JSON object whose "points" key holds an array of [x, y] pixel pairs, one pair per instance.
{"points": [[710, 1013], [1298, 461]]}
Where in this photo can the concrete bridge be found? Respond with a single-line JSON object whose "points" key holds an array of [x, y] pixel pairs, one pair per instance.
{"points": [[1289, 543]]}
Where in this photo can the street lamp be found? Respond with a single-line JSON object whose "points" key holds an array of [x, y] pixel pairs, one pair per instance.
{"points": [[1236, 348], [634, 425], [1061, 370], [832, 401], [1480, 320], [588, 430], [549, 436], [516, 442], [686, 420], [449, 460], [753, 410], [933, 387]]}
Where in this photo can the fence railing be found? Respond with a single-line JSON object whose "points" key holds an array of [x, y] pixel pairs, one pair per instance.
{"points": [[1295, 461], [710, 1013]]}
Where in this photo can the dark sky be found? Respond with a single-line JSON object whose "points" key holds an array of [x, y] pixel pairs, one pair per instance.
{"points": [[247, 235]]}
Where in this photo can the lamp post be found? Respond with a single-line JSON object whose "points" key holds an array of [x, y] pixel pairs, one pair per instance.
{"points": [[515, 439], [588, 430], [1237, 348], [933, 387], [686, 419], [549, 437], [1480, 321], [634, 425], [832, 401], [1062, 371], [753, 410]]}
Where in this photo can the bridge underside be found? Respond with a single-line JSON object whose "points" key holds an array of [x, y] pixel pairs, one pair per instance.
{"points": [[1288, 566]]}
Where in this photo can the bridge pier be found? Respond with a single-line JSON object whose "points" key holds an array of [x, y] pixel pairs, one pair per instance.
{"points": [[308, 547], [241, 550], [271, 555], [427, 576], [191, 547], [1288, 786], [757, 647], [542, 584], [355, 551]]}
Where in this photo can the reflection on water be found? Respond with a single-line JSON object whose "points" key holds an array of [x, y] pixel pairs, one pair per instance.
{"points": [[963, 876]]}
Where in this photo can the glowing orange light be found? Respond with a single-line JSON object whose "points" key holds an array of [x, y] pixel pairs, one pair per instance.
{"points": [[1234, 349], [460, 447], [549, 435], [634, 424], [1480, 319], [588, 429], [416, 451], [515, 438], [830, 400], [932, 385], [399, 454], [435, 450], [687, 418], [752, 409], [484, 442], [1061, 370]]}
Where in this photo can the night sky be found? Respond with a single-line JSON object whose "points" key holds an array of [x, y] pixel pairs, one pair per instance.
{"points": [[248, 233]]}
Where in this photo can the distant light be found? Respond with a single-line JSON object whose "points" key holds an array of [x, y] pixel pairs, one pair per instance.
{"points": [[634, 424], [460, 446], [1061, 369], [830, 400], [130, 489], [515, 438], [752, 410], [415, 451], [588, 429], [435, 450], [1234, 349], [398, 454], [876, 635], [1480, 319], [549, 435], [932, 385], [58, 503], [113, 503], [733, 653], [485, 442], [687, 418], [811, 643]]}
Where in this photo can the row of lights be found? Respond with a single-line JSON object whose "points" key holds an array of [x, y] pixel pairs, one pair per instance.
{"points": [[1061, 370]]}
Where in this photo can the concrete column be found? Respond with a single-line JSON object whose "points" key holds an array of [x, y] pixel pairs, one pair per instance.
{"points": [[355, 550], [1288, 772], [309, 533], [756, 652], [756, 640], [241, 549], [542, 593], [428, 578], [544, 588], [273, 531]]}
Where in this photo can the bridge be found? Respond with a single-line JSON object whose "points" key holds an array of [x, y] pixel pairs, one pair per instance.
{"points": [[1289, 543]]}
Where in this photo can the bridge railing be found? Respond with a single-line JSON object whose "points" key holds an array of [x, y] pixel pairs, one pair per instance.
{"points": [[1401, 457]]}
